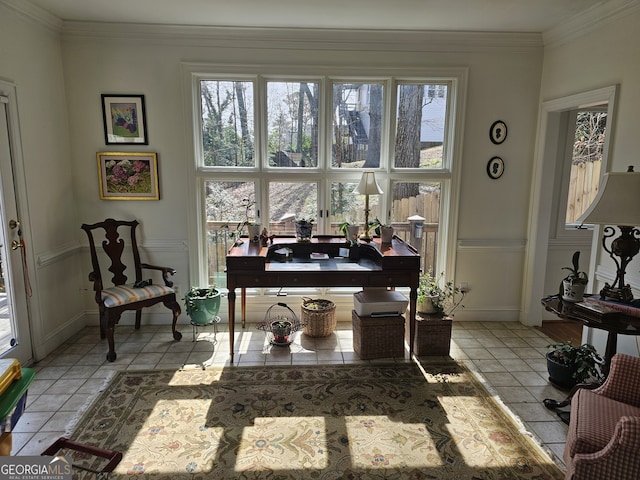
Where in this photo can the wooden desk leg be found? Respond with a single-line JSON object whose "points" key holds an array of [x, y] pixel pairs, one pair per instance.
{"points": [[231, 297], [413, 304], [243, 303], [609, 352]]}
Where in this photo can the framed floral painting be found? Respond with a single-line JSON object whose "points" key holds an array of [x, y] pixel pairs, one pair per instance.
{"points": [[124, 120], [128, 176]]}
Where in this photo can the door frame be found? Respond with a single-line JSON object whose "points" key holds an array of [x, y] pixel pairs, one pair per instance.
{"points": [[549, 153], [23, 311]]}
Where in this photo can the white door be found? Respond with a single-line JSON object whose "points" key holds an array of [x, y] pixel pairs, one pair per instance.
{"points": [[15, 335]]}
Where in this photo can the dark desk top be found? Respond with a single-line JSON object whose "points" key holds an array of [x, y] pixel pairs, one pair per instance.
{"points": [[623, 324], [372, 256]]}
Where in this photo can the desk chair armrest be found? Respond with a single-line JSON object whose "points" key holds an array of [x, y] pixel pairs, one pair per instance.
{"points": [[166, 272], [97, 281]]}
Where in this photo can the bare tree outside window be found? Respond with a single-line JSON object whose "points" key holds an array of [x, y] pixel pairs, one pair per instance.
{"points": [[292, 114], [227, 123]]}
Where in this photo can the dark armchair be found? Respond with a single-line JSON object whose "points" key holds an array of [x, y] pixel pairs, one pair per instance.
{"points": [[119, 296]]}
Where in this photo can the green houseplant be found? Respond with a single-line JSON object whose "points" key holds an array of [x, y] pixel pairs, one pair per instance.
{"points": [[202, 304], [436, 297], [569, 365], [281, 329], [350, 231], [384, 231], [573, 285]]}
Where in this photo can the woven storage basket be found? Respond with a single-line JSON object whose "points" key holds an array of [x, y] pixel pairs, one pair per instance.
{"points": [[319, 317], [379, 337], [433, 335]]}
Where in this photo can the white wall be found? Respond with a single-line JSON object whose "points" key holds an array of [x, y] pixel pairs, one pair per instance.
{"points": [[31, 58], [605, 56], [504, 75]]}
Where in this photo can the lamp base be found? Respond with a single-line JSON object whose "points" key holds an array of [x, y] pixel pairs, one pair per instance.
{"points": [[624, 294], [365, 237]]}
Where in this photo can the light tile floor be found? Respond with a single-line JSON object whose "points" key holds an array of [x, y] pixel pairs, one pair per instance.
{"points": [[508, 356]]}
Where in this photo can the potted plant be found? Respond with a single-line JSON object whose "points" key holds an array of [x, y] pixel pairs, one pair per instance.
{"points": [[573, 285], [202, 304], [436, 298], [384, 231], [253, 228], [350, 231], [569, 365], [304, 227], [281, 329]]}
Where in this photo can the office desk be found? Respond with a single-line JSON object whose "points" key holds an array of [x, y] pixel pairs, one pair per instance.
{"points": [[252, 265]]}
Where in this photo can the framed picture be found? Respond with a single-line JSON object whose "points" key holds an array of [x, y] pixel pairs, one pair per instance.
{"points": [[498, 132], [495, 167], [124, 120], [128, 176]]}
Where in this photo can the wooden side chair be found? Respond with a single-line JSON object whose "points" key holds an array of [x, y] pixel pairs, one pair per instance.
{"points": [[120, 296]]}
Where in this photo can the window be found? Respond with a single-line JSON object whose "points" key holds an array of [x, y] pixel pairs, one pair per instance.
{"points": [[227, 123], [586, 161], [275, 149], [292, 124]]}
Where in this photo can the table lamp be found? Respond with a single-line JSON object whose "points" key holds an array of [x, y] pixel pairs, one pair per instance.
{"points": [[367, 186], [618, 203]]}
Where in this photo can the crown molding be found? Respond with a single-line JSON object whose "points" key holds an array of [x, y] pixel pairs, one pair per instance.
{"points": [[304, 38], [34, 13], [588, 20]]}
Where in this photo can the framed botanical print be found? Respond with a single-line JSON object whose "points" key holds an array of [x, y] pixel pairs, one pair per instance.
{"points": [[128, 176], [124, 120]]}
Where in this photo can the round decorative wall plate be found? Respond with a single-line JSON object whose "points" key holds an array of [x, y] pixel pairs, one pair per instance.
{"points": [[495, 167], [498, 132]]}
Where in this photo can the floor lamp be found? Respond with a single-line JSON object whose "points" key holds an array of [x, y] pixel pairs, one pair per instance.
{"points": [[367, 186], [618, 203]]}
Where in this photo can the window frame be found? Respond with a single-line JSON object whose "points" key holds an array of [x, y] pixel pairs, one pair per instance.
{"points": [[448, 176]]}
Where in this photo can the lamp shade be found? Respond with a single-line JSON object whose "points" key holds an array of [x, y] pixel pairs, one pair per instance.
{"points": [[617, 202], [368, 185]]}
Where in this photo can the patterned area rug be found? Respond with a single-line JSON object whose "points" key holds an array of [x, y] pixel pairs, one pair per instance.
{"points": [[402, 421]]}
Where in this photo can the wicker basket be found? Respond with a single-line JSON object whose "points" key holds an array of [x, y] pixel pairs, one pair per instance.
{"points": [[432, 335], [280, 312], [319, 317], [378, 337]]}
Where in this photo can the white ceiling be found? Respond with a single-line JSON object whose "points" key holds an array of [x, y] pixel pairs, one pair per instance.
{"points": [[461, 15]]}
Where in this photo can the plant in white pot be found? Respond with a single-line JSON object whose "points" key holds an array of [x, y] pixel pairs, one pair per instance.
{"points": [[384, 231], [253, 229], [350, 231], [436, 297], [573, 285]]}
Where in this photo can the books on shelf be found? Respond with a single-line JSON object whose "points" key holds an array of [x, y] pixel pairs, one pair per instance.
{"points": [[625, 308]]}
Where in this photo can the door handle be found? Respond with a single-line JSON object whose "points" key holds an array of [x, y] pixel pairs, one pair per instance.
{"points": [[15, 244]]}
